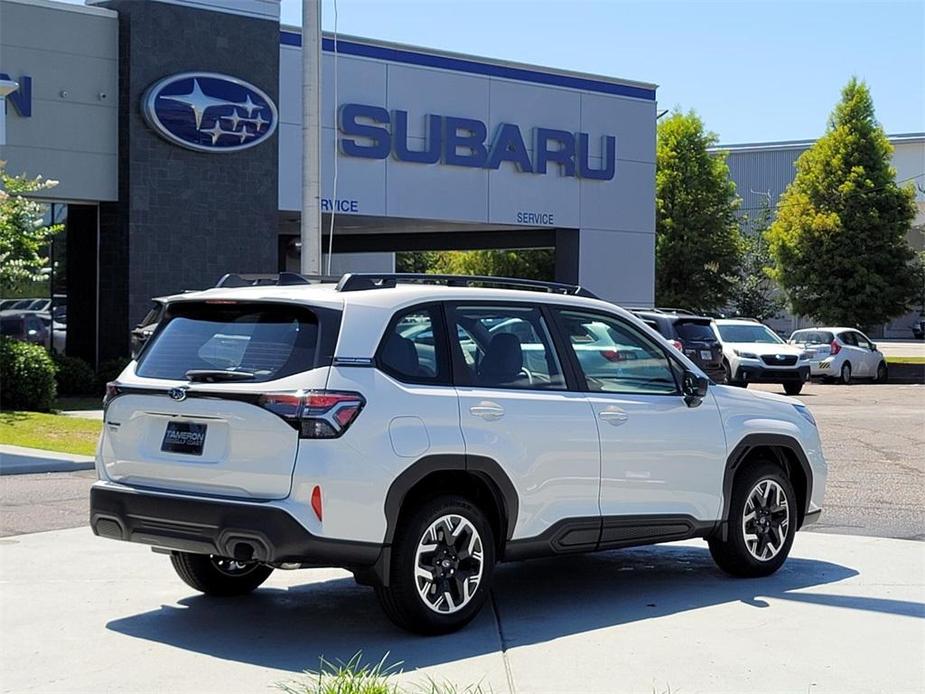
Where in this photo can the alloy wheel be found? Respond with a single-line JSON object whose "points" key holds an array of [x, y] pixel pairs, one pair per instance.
{"points": [[766, 520], [448, 564]]}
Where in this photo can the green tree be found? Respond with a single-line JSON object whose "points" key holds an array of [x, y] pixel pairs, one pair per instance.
{"points": [[534, 263], [23, 232], [755, 295], [839, 240], [698, 246]]}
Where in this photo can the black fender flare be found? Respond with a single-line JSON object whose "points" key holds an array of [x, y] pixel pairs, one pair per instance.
{"points": [[740, 453], [483, 467]]}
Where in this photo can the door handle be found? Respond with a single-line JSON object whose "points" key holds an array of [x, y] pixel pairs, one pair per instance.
{"points": [[614, 417], [489, 411]]}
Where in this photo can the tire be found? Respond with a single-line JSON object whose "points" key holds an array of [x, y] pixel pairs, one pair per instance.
{"points": [[218, 576], [793, 388], [729, 379], [405, 600], [844, 376], [883, 373], [733, 555]]}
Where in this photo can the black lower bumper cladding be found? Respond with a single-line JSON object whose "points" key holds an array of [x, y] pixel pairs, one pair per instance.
{"points": [[757, 374], [244, 531]]}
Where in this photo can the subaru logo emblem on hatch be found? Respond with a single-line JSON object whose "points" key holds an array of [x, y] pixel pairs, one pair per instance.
{"points": [[209, 112], [178, 394]]}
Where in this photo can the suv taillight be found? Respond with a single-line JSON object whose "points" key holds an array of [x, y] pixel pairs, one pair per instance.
{"points": [[112, 390], [315, 414], [836, 348], [678, 345]]}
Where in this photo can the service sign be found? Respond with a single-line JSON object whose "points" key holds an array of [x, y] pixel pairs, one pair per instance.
{"points": [[209, 112]]}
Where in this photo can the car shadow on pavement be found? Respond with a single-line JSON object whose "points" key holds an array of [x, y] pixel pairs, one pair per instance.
{"points": [[537, 601]]}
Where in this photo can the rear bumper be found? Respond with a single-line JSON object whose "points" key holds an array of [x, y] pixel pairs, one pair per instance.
{"points": [[760, 374], [244, 531]]}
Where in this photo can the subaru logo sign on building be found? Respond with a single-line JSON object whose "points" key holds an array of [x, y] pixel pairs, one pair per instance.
{"points": [[209, 112]]}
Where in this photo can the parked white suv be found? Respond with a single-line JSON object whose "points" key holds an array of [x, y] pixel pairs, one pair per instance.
{"points": [[388, 426], [841, 353], [753, 353]]}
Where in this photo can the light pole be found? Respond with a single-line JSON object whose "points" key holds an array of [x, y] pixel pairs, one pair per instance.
{"points": [[311, 137], [6, 87]]}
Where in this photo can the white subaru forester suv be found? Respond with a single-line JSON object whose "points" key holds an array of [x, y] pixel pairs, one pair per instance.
{"points": [[416, 430]]}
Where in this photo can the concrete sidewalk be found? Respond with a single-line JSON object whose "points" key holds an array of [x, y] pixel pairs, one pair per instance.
{"points": [[18, 460], [845, 614]]}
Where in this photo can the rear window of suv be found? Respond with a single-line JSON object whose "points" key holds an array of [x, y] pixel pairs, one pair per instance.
{"points": [[252, 341], [695, 331]]}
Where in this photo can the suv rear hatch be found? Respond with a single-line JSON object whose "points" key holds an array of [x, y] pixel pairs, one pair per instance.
{"points": [[699, 342], [193, 415]]}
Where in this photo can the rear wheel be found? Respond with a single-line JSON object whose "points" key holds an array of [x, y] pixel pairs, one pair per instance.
{"points": [[761, 523], [793, 388], [845, 375], [218, 576], [442, 565]]}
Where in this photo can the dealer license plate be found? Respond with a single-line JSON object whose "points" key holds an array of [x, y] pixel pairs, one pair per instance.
{"points": [[184, 437]]}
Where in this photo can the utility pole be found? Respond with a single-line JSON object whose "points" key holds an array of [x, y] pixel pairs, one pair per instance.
{"points": [[311, 137]]}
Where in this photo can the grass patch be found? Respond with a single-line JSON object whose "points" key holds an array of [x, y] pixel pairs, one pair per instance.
{"points": [[355, 677], [51, 432], [905, 360]]}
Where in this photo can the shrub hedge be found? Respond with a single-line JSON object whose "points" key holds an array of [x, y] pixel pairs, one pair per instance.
{"points": [[27, 376]]}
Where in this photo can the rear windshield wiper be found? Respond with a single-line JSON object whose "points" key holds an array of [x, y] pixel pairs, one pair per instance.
{"points": [[218, 375]]}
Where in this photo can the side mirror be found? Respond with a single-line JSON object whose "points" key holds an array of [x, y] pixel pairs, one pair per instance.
{"points": [[873, 347], [693, 388]]}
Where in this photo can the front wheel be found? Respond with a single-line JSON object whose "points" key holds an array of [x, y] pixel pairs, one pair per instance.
{"points": [[443, 559], [882, 373], [761, 523], [218, 576], [793, 388]]}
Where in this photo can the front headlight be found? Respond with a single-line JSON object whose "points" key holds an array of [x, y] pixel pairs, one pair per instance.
{"points": [[745, 355], [804, 356], [805, 413]]}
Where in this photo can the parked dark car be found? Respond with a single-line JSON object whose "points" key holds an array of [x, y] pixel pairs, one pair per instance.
{"points": [[142, 332], [26, 326], [691, 334]]}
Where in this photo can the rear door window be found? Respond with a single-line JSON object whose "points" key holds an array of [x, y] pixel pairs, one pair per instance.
{"points": [[506, 347], [247, 341]]}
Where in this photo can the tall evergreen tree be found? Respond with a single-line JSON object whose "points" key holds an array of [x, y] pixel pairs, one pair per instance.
{"points": [[698, 246], [839, 240], [755, 294]]}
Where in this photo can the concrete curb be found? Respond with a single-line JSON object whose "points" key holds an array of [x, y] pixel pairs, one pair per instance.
{"points": [[18, 460]]}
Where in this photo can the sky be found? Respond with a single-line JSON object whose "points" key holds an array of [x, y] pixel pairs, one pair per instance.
{"points": [[753, 70]]}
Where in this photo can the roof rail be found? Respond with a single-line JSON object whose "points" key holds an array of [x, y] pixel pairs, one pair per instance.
{"points": [[679, 311], [282, 279], [353, 282]]}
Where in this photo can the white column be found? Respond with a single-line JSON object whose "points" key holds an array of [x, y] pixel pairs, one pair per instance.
{"points": [[6, 87], [311, 137]]}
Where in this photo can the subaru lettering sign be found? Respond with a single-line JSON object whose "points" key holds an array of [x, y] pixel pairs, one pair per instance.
{"points": [[209, 112], [373, 132]]}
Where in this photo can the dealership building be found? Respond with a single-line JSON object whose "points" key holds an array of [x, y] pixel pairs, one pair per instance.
{"points": [[175, 132]]}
